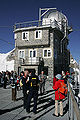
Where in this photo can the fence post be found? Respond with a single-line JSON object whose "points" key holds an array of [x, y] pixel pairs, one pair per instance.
{"points": [[13, 92], [72, 111]]}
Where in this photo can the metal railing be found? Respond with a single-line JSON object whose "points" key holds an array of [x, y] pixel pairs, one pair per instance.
{"points": [[37, 23], [29, 61], [74, 112], [27, 24]]}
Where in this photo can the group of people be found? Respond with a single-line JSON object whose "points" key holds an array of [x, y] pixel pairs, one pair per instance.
{"points": [[31, 83], [8, 78]]}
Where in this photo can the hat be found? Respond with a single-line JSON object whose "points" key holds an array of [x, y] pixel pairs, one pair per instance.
{"points": [[58, 76]]}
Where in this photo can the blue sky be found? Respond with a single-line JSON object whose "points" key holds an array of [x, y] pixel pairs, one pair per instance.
{"points": [[12, 11]]}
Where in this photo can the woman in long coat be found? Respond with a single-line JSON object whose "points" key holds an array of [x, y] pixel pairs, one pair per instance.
{"points": [[58, 96]]}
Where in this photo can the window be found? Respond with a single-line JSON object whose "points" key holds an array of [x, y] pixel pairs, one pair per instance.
{"points": [[32, 56], [21, 54], [38, 34], [25, 36], [32, 53], [47, 53]]}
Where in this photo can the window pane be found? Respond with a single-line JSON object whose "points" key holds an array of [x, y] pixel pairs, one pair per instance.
{"points": [[45, 53], [49, 53], [19, 54], [23, 35], [34, 53], [30, 53], [39, 34], [27, 36], [22, 54], [36, 34]]}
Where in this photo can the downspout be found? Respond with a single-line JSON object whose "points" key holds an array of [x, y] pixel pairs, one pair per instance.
{"points": [[61, 43]]}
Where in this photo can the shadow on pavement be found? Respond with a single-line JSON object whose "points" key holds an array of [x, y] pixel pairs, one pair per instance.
{"points": [[49, 102], [21, 98], [47, 105], [9, 110], [42, 97], [23, 118], [65, 110]]}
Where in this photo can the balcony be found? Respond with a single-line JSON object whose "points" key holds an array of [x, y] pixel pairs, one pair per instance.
{"points": [[37, 23], [30, 61]]}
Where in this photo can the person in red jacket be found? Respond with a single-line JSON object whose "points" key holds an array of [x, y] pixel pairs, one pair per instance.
{"points": [[54, 80], [58, 96], [67, 73]]}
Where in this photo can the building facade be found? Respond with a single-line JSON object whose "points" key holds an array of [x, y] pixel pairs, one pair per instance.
{"points": [[42, 45]]}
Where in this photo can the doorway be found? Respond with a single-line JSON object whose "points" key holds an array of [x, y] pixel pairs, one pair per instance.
{"points": [[30, 70]]}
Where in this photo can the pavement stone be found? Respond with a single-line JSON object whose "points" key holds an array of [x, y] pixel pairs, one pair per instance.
{"points": [[10, 110]]}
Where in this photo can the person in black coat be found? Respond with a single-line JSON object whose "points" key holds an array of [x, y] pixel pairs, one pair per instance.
{"points": [[25, 87], [5, 79], [33, 91]]}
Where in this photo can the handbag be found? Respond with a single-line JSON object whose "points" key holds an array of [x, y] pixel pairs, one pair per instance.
{"points": [[21, 83]]}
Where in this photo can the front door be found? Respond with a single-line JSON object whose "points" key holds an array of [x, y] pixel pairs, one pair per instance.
{"points": [[32, 56]]}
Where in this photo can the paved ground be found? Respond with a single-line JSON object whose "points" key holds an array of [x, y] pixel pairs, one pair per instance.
{"points": [[10, 110]]}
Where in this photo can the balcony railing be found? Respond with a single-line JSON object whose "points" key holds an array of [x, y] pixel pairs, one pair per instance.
{"points": [[74, 112], [29, 61], [37, 23]]}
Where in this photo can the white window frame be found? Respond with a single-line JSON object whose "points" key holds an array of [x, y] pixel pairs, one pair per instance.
{"points": [[47, 52], [32, 53], [39, 34], [26, 38], [19, 54]]}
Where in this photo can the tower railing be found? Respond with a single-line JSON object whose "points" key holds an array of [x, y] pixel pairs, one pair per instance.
{"points": [[36, 23], [74, 112]]}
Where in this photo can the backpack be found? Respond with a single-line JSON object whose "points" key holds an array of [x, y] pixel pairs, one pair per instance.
{"points": [[63, 89], [34, 81]]}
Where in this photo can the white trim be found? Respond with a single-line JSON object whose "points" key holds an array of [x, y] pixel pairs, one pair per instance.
{"points": [[47, 52], [39, 34], [19, 53], [33, 59], [30, 28], [26, 32]]}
